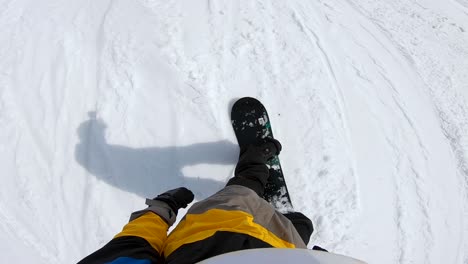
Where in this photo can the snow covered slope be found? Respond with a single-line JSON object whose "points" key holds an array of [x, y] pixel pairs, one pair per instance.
{"points": [[103, 103]]}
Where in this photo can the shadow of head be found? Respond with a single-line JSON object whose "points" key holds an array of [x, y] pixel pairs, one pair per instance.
{"points": [[152, 170]]}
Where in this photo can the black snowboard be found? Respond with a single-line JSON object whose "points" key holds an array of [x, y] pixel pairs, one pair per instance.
{"points": [[251, 122]]}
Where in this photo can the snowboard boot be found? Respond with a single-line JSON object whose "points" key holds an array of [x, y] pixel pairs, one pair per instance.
{"points": [[167, 204], [176, 198], [251, 170]]}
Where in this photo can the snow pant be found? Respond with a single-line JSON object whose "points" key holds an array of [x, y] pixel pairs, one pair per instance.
{"points": [[141, 240], [235, 218]]}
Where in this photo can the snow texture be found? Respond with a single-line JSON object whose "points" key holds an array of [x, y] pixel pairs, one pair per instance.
{"points": [[104, 103]]}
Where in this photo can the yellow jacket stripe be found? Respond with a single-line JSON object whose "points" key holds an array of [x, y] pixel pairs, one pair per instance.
{"points": [[150, 227], [196, 227]]}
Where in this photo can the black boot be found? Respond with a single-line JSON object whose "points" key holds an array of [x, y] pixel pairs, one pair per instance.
{"points": [[251, 170], [167, 204], [176, 198]]}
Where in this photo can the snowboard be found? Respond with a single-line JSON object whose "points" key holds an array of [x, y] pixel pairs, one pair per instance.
{"points": [[251, 123]]}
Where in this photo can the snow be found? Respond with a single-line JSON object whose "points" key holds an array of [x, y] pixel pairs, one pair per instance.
{"points": [[104, 103]]}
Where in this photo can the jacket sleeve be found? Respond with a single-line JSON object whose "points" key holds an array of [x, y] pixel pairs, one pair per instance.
{"points": [[141, 240]]}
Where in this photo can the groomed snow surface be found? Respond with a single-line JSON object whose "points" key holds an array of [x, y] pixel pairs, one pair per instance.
{"points": [[106, 102]]}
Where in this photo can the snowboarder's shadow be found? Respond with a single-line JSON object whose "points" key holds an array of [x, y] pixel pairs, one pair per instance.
{"points": [[149, 171]]}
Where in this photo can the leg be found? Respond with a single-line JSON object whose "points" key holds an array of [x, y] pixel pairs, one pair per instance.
{"points": [[251, 170], [233, 219]]}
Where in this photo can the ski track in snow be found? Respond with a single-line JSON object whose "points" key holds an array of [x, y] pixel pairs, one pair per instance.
{"points": [[448, 102], [369, 99]]}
